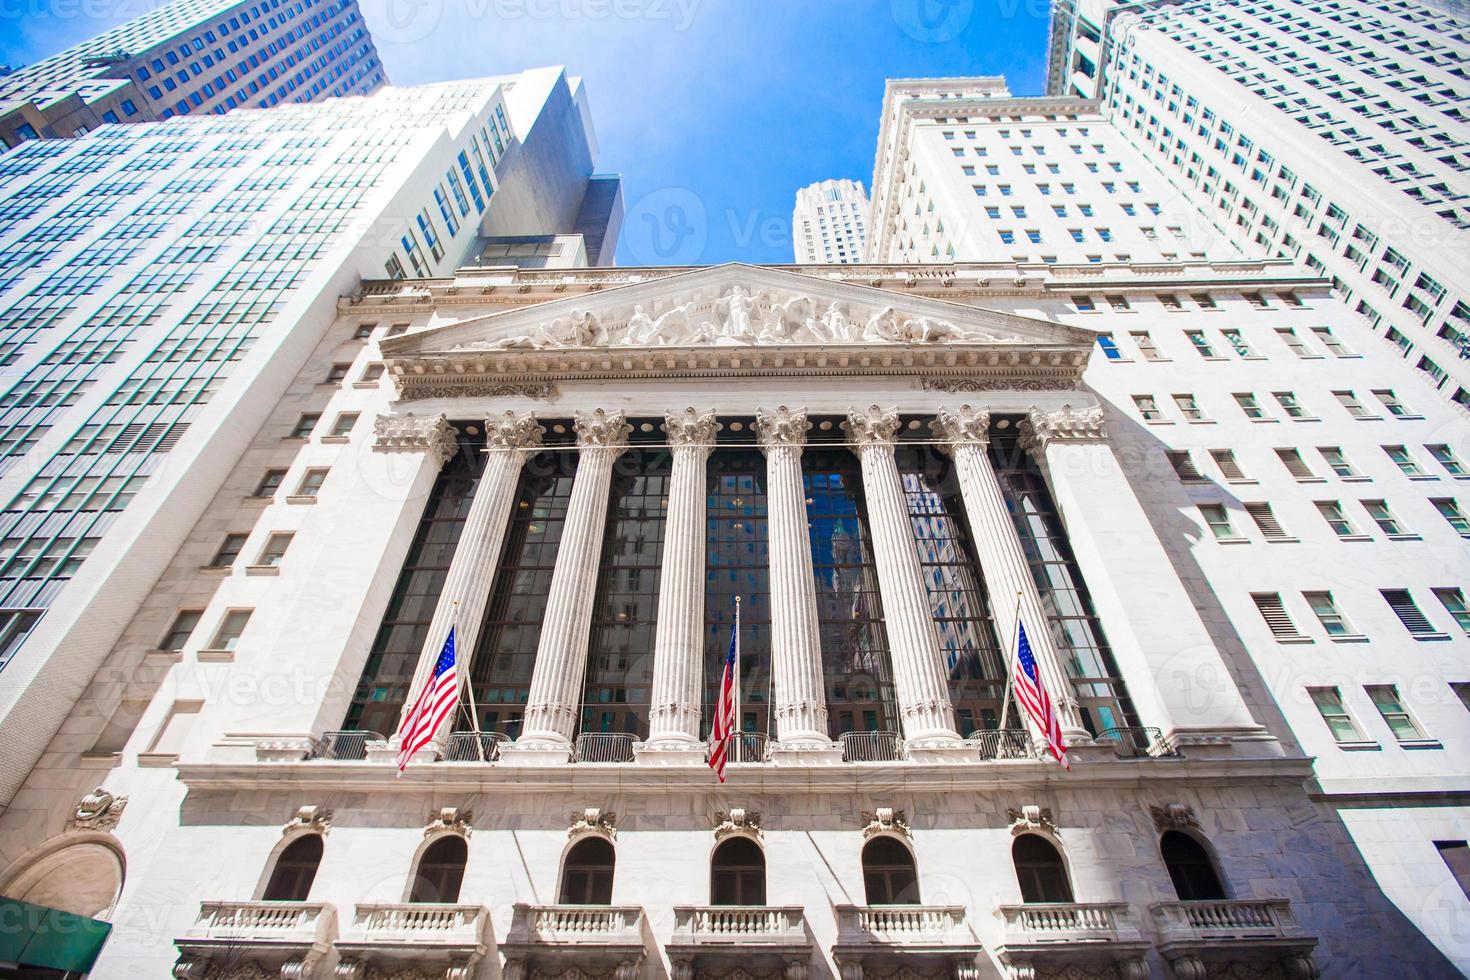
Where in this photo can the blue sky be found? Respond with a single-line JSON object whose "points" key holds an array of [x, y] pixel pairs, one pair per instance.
{"points": [[714, 111]]}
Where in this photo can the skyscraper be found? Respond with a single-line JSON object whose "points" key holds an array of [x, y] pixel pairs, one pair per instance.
{"points": [[191, 57], [827, 222], [164, 282], [1331, 133]]}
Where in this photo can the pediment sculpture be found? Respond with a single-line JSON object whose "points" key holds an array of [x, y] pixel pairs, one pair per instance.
{"points": [[738, 317]]}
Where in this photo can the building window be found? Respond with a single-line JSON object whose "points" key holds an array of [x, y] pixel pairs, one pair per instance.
{"points": [[275, 550], [1183, 465], [1249, 405], [1190, 868], [889, 875], [1289, 404], [364, 331], [1404, 460], [1337, 461], [1273, 611], [1391, 402], [1109, 346], [342, 427], [1229, 466], [1386, 699], [269, 483], [1294, 343], [1217, 519], [1148, 408], [1083, 304], [1403, 606], [1341, 724], [1266, 521], [311, 482], [304, 425], [1453, 600], [1118, 302], [229, 550], [738, 873], [371, 374], [182, 628], [1445, 457], [1040, 870], [1201, 342], [1336, 518], [1145, 344], [441, 871], [1387, 523], [227, 637], [1329, 340], [1350, 404], [336, 373], [1456, 857], [295, 870], [1326, 611], [587, 873], [1237, 343], [1295, 465], [1189, 407]]}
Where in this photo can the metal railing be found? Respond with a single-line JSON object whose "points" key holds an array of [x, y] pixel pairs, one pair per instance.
{"points": [[1136, 742], [871, 747], [343, 746], [1004, 743], [604, 747], [748, 747], [474, 746]]}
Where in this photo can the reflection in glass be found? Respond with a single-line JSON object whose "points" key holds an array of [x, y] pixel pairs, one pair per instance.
{"points": [[855, 664], [736, 563]]}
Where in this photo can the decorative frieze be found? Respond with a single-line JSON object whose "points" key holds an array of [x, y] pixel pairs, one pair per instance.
{"points": [[409, 391], [430, 434], [1001, 383], [1174, 816]]}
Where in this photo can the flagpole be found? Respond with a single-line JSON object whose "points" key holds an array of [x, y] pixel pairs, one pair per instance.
{"points": [[1011, 658], [737, 724], [468, 686]]}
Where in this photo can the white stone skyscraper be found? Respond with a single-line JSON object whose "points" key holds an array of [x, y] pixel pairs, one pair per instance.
{"points": [[1327, 132], [193, 57], [827, 222]]}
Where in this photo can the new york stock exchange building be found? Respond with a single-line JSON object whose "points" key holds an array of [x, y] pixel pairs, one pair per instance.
{"points": [[580, 473]]}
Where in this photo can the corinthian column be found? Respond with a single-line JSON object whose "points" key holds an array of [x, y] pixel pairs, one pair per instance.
{"points": [[1178, 678], [678, 648], [919, 675], [966, 433], [561, 654], [796, 649], [509, 441]]}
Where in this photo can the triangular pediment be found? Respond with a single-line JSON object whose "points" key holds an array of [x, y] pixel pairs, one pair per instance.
{"points": [[712, 321]]}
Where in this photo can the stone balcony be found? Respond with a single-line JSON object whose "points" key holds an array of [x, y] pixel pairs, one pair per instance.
{"points": [[1196, 936], [285, 939], [1042, 937], [592, 938], [926, 939], [761, 939], [437, 940]]}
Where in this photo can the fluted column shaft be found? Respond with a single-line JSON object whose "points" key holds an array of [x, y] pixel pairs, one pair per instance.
{"points": [[796, 649], [678, 648], [920, 679], [1002, 560], [509, 441], [561, 654]]}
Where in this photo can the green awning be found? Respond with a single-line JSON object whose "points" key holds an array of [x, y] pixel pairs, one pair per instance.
{"points": [[33, 935]]}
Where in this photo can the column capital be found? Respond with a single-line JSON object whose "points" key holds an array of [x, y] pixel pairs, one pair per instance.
{"points": [[691, 427], [964, 425], [428, 434], [602, 430], [875, 427], [1041, 427], [512, 431], [781, 428]]}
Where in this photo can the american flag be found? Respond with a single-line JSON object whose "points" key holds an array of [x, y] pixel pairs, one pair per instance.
{"points": [[1031, 693], [436, 701], [722, 733]]}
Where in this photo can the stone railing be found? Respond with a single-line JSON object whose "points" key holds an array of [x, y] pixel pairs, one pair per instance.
{"points": [[744, 925], [902, 924], [420, 922], [1269, 918], [1066, 922], [277, 937], [562, 924]]}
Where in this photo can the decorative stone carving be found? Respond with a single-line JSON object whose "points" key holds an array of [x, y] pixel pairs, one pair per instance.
{"points": [[1174, 816], [98, 810], [512, 431], [875, 426], [963, 425], [783, 428], [317, 819], [885, 820], [601, 430], [691, 427], [1135, 968], [1189, 967], [1032, 817], [525, 390], [450, 818], [960, 385], [411, 433], [1301, 966], [593, 821], [738, 821], [1041, 428]]}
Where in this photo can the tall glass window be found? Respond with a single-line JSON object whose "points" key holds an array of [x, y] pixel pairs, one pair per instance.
{"points": [[620, 656], [1088, 660], [506, 652], [957, 596], [395, 652], [855, 663], [737, 563]]}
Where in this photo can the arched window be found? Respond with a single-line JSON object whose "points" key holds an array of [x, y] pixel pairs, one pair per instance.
{"points": [[1040, 870], [888, 873], [587, 873], [295, 870], [1189, 864], [738, 873], [440, 871]]}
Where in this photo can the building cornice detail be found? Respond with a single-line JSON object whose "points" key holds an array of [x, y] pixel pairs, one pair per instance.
{"points": [[1042, 428], [409, 433]]}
